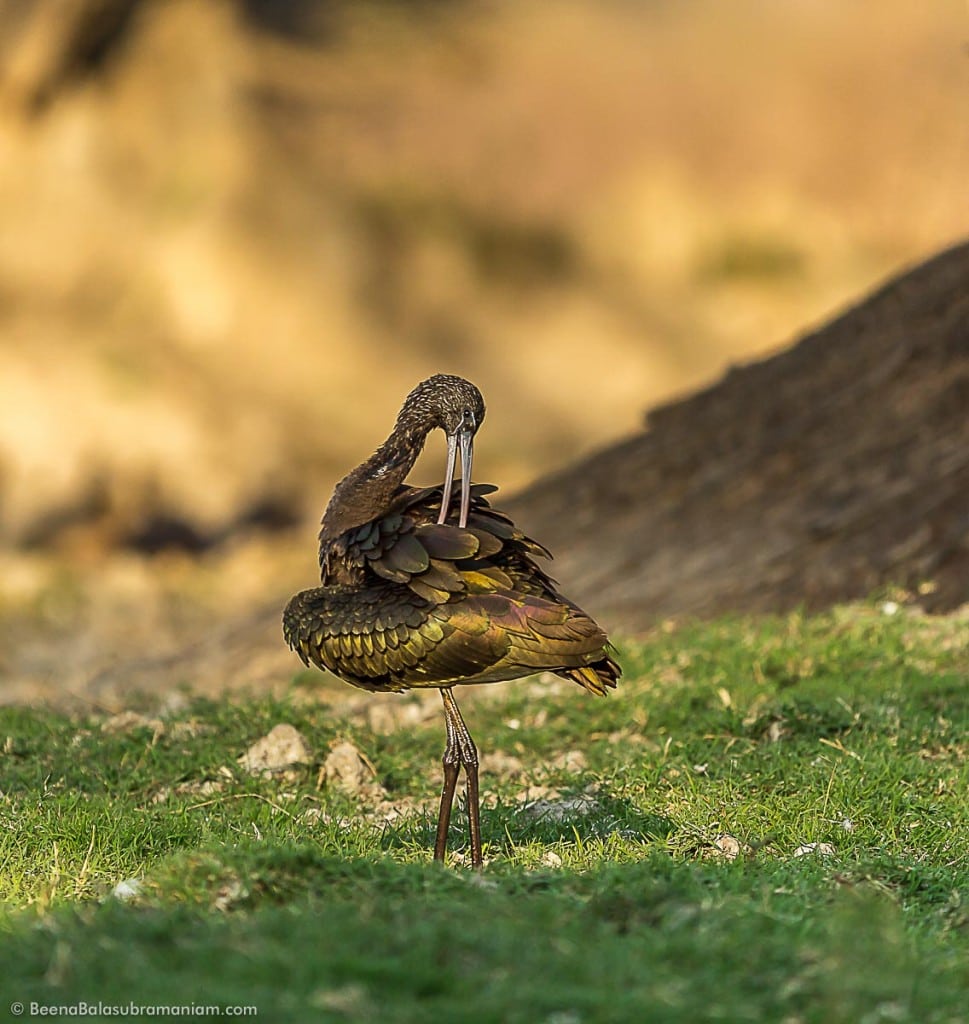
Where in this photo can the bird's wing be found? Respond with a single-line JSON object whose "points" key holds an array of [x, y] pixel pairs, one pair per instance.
{"points": [[439, 604], [388, 638], [406, 545]]}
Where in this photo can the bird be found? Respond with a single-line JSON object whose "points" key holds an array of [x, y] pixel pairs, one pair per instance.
{"points": [[412, 599]]}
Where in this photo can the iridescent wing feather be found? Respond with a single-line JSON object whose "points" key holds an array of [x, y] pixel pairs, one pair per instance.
{"points": [[408, 603]]}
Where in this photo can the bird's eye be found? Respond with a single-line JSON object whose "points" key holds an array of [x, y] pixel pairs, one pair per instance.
{"points": [[468, 414]]}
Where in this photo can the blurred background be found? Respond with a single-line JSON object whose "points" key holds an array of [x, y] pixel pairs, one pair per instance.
{"points": [[235, 233]]}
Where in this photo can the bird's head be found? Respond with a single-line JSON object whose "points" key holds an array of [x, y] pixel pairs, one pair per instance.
{"points": [[451, 403], [456, 406]]}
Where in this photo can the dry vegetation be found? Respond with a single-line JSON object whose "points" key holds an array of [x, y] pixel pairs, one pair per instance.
{"points": [[227, 253]]}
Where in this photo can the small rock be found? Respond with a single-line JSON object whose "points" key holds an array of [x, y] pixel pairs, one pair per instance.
{"points": [[533, 792], [188, 729], [128, 889], [208, 787], [728, 846], [129, 721], [346, 769], [387, 811], [821, 849], [564, 1017], [570, 761], [174, 704], [383, 719], [348, 1001], [500, 765], [282, 747], [560, 810], [551, 859], [229, 894], [195, 787], [386, 718]]}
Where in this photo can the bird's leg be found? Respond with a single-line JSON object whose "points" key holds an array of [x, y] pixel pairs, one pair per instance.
{"points": [[468, 754], [452, 766]]}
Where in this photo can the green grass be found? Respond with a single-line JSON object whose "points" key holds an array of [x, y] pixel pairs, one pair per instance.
{"points": [[754, 738]]}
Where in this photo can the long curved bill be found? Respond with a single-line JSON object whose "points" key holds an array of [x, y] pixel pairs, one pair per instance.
{"points": [[467, 454], [452, 451], [465, 439]]}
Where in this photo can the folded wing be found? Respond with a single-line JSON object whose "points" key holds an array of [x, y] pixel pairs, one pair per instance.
{"points": [[423, 605]]}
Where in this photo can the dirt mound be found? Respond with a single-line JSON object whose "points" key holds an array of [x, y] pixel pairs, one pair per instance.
{"points": [[818, 475]]}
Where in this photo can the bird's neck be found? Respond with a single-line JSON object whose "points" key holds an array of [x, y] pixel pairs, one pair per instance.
{"points": [[362, 495]]}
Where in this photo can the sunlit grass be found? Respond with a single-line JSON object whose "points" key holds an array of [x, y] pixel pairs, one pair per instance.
{"points": [[768, 821]]}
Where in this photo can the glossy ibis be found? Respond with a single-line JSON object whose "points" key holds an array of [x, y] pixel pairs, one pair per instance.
{"points": [[411, 599]]}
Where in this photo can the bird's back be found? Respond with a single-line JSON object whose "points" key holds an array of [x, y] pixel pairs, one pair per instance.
{"points": [[406, 602]]}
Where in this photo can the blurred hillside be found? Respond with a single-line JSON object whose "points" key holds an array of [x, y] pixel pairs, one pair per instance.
{"points": [[837, 468], [235, 234], [829, 471]]}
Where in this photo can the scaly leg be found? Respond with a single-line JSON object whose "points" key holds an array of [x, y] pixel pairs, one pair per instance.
{"points": [[468, 755], [452, 766]]}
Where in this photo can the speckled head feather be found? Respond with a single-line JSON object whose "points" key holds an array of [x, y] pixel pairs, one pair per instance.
{"points": [[443, 401]]}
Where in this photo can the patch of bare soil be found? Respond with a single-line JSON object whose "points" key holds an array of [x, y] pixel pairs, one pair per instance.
{"points": [[818, 475]]}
